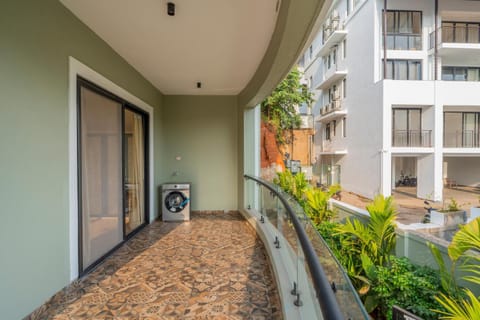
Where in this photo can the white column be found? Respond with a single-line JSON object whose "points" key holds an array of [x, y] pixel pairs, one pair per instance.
{"points": [[425, 177], [386, 172], [252, 153], [438, 144]]}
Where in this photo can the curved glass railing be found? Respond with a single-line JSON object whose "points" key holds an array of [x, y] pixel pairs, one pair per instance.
{"points": [[317, 269]]}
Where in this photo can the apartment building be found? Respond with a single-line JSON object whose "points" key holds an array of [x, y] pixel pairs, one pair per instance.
{"points": [[409, 108]]}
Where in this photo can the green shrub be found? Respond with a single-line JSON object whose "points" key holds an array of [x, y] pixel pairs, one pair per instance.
{"points": [[406, 285]]}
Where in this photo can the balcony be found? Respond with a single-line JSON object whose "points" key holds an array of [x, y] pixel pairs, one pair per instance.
{"points": [[171, 269], [179, 94], [458, 40], [412, 138], [331, 148], [335, 74], [306, 121], [332, 36], [462, 139], [332, 111]]}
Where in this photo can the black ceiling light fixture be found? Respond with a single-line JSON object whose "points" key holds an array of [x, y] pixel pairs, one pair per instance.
{"points": [[170, 8]]}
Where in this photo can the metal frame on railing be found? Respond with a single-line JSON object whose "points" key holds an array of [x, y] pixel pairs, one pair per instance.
{"points": [[325, 294]]}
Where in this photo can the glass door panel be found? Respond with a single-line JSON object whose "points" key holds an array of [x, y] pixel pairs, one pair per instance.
{"points": [[460, 32], [452, 129], [469, 126], [134, 170], [400, 127], [414, 128], [101, 207]]}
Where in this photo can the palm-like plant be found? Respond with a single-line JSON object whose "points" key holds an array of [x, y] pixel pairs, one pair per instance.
{"points": [[376, 239], [317, 206], [369, 245], [467, 238]]}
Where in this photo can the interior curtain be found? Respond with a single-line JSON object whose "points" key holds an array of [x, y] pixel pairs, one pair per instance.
{"points": [[138, 171]]}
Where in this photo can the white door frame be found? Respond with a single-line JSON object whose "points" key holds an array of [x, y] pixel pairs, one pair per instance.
{"points": [[76, 68]]}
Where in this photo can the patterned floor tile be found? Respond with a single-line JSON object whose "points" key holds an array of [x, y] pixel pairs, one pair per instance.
{"points": [[212, 267]]}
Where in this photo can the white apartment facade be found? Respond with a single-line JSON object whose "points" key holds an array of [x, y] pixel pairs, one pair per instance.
{"points": [[415, 113]]}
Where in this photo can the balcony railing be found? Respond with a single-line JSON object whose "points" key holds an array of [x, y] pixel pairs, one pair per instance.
{"points": [[469, 33], [335, 105], [400, 41], [412, 138], [462, 139], [318, 277], [333, 25]]}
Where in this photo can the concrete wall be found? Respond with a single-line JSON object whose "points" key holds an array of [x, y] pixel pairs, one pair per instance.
{"points": [[360, 168], [464, 170], [202, 130], [37, 39]]}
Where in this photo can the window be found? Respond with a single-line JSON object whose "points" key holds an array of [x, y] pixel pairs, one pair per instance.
{"points": [[327, 131], [334, 55], [461, 129], [334, 126], [404, 30], [461, 73], [404, 69], [344, 48], [310, 52], [344, 127], [460, 32], [407, 128], [310, 81], [344, 86]]}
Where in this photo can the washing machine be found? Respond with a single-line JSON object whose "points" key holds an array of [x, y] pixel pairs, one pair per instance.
{"points": [[176, 201]]}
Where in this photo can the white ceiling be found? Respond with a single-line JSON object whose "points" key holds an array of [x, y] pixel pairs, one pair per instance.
{"points": [[217, 42]]}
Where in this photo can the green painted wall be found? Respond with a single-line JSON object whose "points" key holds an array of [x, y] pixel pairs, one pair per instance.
{"points": [[202, 130], [36, 39]]}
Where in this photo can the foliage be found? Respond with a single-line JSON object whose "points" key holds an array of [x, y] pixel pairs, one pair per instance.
{"points": [[466, 309], [317, 206], [399, 282], [295, 185], [278, 109], [369, 247], [457, 307], [452, 206], [406, 285], [376, 239], [285, 181], [365, 251], [313, 200]]}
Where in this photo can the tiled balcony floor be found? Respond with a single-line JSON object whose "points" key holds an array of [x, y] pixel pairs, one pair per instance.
{"points": [[213, 267]]}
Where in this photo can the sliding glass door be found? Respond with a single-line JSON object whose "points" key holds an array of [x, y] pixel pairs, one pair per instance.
{"points": [[112, 166], [407, 126]]}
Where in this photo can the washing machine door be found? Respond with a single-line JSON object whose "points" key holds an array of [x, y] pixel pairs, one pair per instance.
{"points": [[176, 201]]}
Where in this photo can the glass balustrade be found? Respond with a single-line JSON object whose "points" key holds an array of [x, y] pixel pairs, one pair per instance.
{"points": [[316, 268]]}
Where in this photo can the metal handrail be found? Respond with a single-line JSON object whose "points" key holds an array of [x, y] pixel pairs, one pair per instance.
{"points": [[412, 138], [325, 295]]}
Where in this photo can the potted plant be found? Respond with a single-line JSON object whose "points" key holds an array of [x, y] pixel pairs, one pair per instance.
{"points": [[475, 211], [449, 215]]}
